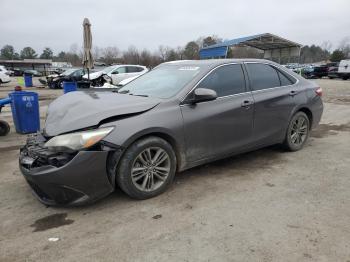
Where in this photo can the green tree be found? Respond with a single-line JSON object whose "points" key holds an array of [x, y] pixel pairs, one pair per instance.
{"points": [[7, 52], [28, 53], [191, 50], [210, 40], [47, 53], [337, 55]]}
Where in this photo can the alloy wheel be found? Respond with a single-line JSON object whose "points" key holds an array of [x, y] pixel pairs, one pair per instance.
{"points": [[150, 169], [299, 130]]}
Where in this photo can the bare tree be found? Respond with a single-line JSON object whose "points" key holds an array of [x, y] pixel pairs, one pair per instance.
{"points": [[131, 56], [97, 52], [180, 52], [146, 58], [73, 48], [344, 46], [326, 45], [163, 51], [110, 54]]}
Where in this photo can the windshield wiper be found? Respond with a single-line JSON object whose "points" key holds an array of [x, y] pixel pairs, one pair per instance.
{"points": [[124, 92]]}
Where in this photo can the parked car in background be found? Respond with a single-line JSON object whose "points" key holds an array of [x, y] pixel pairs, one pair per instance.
{"points": [[117, 74], [71, 75], [179, 115], [18, 72], [333, 73], [4, 70], [315, 72], [32, 72], [344, 69], [10, 72], [4, 77]]}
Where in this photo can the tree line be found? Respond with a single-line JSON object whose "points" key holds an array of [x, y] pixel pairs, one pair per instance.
{"points": [[111, 55]]}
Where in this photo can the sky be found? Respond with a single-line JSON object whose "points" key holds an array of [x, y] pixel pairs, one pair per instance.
{"points": [[148, 24]]}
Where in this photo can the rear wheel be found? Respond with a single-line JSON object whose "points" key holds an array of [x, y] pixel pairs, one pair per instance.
{"points": [[297, 132], [147, 168], [4, 128]]}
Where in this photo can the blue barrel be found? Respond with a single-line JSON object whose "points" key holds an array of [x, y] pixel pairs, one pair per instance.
{"points": [[25, 111], [69, 87], [28, 80]]}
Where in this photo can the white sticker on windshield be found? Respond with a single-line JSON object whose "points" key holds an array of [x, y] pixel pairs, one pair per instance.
{"points": [[189, 68]]}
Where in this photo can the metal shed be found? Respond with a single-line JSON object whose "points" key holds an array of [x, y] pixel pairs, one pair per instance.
{"points": [[26, 64], [275, 48]]}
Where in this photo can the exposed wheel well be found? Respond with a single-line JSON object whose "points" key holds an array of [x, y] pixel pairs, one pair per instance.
{"points": [[308, 113]]}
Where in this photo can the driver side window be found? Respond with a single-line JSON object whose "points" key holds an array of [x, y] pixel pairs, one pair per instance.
{"points": [[225, 80]]}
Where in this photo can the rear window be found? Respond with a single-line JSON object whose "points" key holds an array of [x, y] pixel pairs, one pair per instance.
{"points": [[262, 76], [134, 69], [285, 80]]}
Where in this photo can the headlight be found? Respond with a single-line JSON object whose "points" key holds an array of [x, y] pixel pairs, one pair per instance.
{"points": [[77, 141]]}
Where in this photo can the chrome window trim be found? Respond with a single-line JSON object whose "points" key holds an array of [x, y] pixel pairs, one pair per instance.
{"points": [[195, 86]]}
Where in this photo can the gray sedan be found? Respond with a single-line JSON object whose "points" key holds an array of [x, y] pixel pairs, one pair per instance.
{"points": [[179, 115]]}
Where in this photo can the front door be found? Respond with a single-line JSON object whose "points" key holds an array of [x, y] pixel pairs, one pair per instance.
{"points": [[221, 126]]}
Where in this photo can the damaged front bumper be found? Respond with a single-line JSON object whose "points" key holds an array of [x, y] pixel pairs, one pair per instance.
{"points": [[62, 178]]}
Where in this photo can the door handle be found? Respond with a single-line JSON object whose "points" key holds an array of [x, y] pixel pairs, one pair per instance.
{"points": [[293, 93], [247, 103]]}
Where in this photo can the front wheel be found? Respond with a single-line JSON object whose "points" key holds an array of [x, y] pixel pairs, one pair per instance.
{"points": [[297, 132], [147, 168]]}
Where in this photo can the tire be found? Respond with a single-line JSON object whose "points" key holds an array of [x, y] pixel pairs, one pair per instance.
{"points": [[139, 176], [4, 128], [297, 132], [345, 78]]}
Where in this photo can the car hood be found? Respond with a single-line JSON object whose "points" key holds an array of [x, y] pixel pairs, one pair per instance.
{"points": [[78, 110], [93, 75]]}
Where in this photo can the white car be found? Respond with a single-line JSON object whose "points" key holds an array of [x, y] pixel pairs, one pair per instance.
{"points": [[117, 73], [126, 81], [344, 69], [4, 77]]}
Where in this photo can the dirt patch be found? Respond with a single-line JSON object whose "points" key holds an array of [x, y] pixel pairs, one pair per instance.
{"points": [[338, 100], [327, 129], [51, 221], [9, 148]]}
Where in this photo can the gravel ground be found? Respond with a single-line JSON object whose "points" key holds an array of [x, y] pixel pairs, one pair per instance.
{"points": [[266, 205]]}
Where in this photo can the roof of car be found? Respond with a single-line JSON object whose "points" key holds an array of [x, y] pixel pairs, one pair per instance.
{"points": [[215, 62]]}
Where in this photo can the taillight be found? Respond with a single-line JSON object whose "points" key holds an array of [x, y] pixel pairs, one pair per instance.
{"points": [[318, 91]]}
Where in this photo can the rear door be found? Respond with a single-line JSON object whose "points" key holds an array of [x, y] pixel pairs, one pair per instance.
{"points": [[274, 93], [221, 126], [133, 71]]}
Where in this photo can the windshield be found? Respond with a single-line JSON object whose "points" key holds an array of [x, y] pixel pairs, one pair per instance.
{"points": [[68, 72], [162, 82]]}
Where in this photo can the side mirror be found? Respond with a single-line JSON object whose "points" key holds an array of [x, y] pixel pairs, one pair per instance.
{"points": [[203, 94], [115, 73]]}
